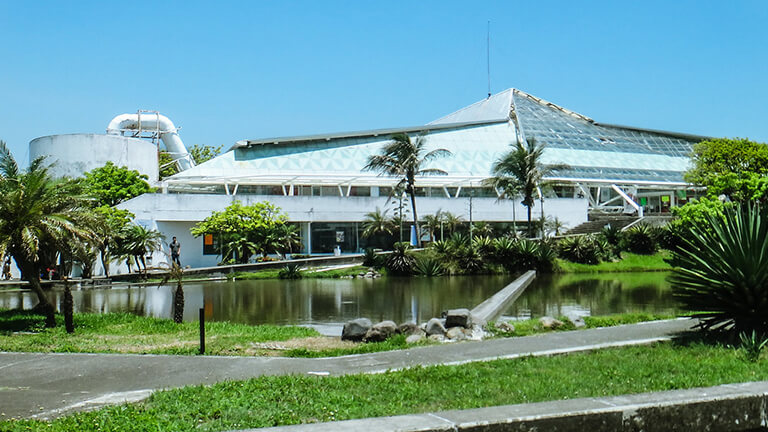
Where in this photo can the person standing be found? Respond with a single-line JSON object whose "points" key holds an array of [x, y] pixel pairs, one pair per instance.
{"points": [[175, 251]]}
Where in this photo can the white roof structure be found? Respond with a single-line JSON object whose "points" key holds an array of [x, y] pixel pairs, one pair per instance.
{"points": [[477, 136]]}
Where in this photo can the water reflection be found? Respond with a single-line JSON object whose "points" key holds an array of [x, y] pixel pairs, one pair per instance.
{"points": [[595, 294], [334, 301], [307, 301]]}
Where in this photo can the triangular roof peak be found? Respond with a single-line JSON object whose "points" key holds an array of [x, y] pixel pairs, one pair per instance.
{"points": [[494, 108]]}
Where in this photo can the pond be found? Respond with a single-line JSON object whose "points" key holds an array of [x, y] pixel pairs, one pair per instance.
{"points": [[595, 294], [330, 302]]}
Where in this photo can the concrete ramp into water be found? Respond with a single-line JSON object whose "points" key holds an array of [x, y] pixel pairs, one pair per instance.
{"points": [[493, 307]]}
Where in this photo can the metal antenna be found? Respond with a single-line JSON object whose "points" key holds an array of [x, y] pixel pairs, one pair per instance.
{"points": [[488, 56]]}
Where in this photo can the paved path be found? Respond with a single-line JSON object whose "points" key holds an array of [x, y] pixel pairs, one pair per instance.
{"points": [[45, 385]]}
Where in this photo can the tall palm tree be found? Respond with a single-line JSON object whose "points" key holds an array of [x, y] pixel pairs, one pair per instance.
{"points": [[509, 189], [404, 158], [522, 169], [37, 214]]}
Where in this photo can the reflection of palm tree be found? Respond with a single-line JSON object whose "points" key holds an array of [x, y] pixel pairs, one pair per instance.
{"points": [[37, 214], [404, 158]]}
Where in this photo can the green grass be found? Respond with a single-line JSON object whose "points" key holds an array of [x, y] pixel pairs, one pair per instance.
{"points": [[271, 401], [305, 274], [529, 327], [127, 333], [629, 263]]}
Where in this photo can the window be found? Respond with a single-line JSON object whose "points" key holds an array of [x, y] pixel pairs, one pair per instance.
{"points": [[211, 245]]}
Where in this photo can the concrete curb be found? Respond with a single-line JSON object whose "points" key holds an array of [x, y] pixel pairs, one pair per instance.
{"points": [[729, 407]]}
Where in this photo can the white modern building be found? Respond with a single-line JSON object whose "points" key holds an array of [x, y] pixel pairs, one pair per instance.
{"points": [[319, 183]]}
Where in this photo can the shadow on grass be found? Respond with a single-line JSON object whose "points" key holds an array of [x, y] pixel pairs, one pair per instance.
{"points": [[15, 320], [692, 337]]}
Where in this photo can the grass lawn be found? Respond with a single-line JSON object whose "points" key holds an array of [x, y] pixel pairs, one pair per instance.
{"points": [[127, 333], [271, 401], [306, 274], [629, 263]]}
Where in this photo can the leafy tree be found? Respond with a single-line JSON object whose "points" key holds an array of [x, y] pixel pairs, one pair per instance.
{"points": [[110, 226], [38, 214], [253, 229], [404, 158], [111, 184], [722, 156], [522, 171], [199, 153]]}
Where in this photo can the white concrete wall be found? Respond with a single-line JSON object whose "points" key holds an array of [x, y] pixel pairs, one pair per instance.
{"points": [[75, 154], [196, 207]]}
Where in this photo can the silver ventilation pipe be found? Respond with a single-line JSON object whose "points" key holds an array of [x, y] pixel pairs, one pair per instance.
{"points": [[158, 124]]}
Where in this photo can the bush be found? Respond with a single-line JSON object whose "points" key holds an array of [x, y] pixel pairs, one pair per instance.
{"points": [[370, 259], [580, 249], [469, 261], [400, 262], [483, 245], [723, 272], [290, 271], [641, 239], [428, 266]]}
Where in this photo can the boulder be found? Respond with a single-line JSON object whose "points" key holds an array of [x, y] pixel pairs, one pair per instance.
{"points": [[549, 323], [417, 337], [380, 331], [455, 333], [576, 319], [505, 327], [437, 338], [458, 318], [355, 330], [435, 327], [408, 328]]}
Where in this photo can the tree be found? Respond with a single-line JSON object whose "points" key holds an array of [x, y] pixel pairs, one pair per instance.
{"points": [[377, 223], [433, 223], [254, 229], [141, 241], [199, 154], [714, 158], [405, 159], [37, 215], [521, 171], [111, 184], [111, 227]]}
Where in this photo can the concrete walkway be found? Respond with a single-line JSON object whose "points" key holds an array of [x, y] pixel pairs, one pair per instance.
{"points": [[48, 385]]}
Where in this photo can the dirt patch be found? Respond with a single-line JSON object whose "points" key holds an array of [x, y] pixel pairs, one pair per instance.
{"points": [[316, 343]]}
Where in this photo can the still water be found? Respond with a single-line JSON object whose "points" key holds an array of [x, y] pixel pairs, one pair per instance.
{"points": [[595, 294], [328, 302]]}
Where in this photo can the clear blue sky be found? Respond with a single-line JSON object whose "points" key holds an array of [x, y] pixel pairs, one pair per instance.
{"points": [[232, 70]]}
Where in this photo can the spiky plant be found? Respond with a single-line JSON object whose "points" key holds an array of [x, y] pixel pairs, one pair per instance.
{"points": [[290, 271], [428, 266], [483, 245], [641, 239], [723, 270], [580, 249], [400, 261]]}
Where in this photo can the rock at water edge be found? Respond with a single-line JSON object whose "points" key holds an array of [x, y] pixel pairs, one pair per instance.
{"points": [[355, 330], [458, 318], [435, 327]]}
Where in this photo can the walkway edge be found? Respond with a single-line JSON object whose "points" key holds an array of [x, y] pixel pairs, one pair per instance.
{"points": [[728, 407]]}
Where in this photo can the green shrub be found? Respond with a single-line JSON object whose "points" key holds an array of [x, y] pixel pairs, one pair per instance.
{"points": [[753, 345], [483, 245], [580, 249], [400, 262], [370, 258], [428, 266], [290, 271], [723, 272], [641, 239], [469, 261], [546, 257]]}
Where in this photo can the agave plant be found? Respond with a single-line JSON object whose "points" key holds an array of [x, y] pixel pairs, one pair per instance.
{"points": [[290, 271], [427, 266], [580, 249], [641, 239], [723, 270], [483, 245], [400, 261]]}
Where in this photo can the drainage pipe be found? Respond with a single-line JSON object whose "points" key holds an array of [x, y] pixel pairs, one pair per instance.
{"points": [[160, 124]]}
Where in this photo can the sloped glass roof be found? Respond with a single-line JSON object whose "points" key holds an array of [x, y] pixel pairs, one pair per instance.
{"points": [[477, 136]]}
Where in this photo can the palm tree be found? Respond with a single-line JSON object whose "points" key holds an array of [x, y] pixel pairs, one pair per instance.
{"points": [[509, 189], [377, 223], [37, 214], [451, 221], [433, 223], [143, 241], [522, 170], [404, 158]]}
